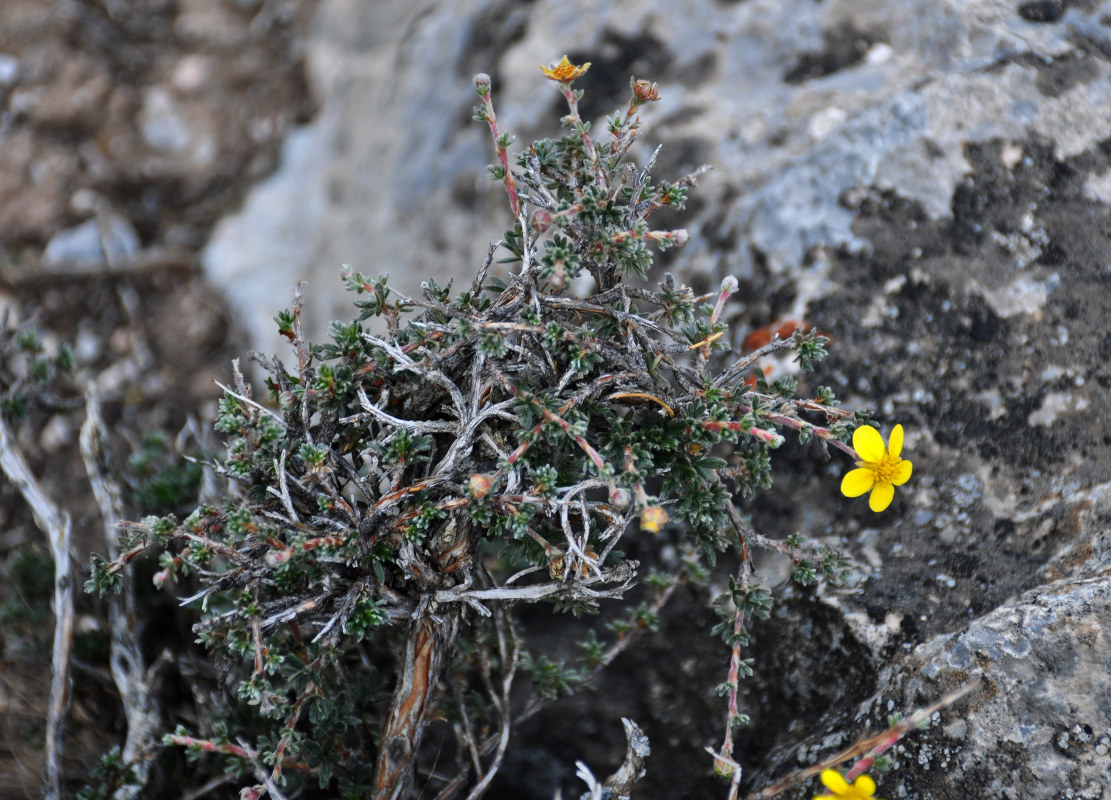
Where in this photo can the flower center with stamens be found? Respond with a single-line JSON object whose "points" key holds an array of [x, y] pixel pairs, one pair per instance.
{"points": [[885, 470]]}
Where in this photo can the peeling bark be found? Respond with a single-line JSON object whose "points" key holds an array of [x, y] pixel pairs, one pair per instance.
{"points": [[427, 652]]}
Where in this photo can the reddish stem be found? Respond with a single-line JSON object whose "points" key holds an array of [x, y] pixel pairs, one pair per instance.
{"points": [[503, 156], [588, 143]]}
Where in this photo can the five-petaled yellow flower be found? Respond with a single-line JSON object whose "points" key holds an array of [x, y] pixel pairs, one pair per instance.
{"points": [[863, 788], [564, 71], [879, 469]]}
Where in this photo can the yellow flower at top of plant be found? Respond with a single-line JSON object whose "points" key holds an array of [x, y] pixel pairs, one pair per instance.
{"points": [[879, 469], [863, 788], [564, 71]]}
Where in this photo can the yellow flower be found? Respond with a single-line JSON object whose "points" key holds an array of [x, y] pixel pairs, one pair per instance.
{"points": [[863, 788], [652, 519], [564, 71], [879, 469]]}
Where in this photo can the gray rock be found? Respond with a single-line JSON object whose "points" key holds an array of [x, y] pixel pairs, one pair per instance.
{"points": [[77, 245], [105, 240], [1042, 700], [9, 70], [258, 254], [163, 127]]}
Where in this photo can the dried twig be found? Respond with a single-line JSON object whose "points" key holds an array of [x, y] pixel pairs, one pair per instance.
{"points": [[423, 427], [509, 655], [55, 523], [139, 687], [620, 784]]}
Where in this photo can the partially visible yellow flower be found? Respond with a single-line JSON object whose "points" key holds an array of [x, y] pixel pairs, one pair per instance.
{"points": [[863, 788], [652, 519], [879, 469], [564, 71]]}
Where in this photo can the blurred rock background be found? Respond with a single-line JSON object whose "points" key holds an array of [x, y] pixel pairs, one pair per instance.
{"points": [[927, 180]]}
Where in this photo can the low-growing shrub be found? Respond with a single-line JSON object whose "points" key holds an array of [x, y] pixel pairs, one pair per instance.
{"points": [[399, 492]]}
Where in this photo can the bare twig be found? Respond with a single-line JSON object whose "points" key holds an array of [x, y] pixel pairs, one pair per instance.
{"points": [[620, 784], [466, 433], [509, 655], [476, 285], [138, 687], [208, 787], [250, 402], [304, 357], [623, 573], [283, 493], [740, 365], [55, 523], [423, 427]]}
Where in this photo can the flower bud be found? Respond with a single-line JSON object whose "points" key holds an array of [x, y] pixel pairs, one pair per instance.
{"points": [[558, 279], [644, 91], [541, 221], [482, 84], [275, 558], [480, 485], [620, 497]]}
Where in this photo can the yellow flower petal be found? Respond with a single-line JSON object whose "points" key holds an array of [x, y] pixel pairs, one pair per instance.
{"points": [[832, 780], [865, 786], [868, 443], [882, 494], [857, 482], [552, 72], [902, 473], [564, 71], [895, 443]]}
